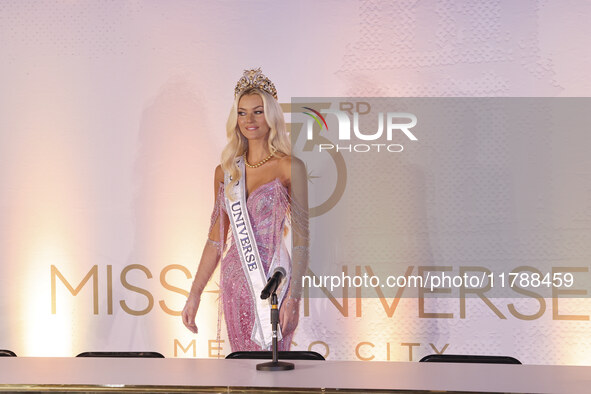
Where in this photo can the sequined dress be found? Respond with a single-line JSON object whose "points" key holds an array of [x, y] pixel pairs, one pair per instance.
{"points": [[268, 207]]}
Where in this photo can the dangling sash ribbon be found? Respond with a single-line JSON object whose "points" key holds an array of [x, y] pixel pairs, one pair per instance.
{"points": [[251, 260]]}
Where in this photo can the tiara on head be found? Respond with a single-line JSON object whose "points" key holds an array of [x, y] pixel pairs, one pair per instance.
{"points": [[254, 78]]}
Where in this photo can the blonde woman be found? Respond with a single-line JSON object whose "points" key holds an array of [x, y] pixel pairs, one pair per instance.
{"points": [[259, 188]]}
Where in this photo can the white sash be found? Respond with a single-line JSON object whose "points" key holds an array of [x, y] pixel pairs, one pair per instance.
{"points": [[248, 251]]}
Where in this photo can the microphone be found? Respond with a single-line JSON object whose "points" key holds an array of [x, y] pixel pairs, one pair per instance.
{"points": [[273, 282]]}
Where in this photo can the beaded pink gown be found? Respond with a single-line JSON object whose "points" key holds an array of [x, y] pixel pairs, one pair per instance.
{"points": [[268, 207]]}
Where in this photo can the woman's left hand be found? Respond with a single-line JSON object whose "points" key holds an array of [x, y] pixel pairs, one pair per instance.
{"points": [[289, 315]]}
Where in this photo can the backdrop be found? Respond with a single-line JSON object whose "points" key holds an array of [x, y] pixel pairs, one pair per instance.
{"points": [[112, 120]]}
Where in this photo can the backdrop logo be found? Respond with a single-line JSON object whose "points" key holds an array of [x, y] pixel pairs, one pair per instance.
{"points": [[385, 128]]}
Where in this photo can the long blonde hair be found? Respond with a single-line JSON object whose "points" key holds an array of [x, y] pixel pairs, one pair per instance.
{"points": [[278, 143]]}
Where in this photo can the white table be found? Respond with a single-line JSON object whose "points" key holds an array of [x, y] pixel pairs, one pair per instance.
{"points": [[20, 373]]}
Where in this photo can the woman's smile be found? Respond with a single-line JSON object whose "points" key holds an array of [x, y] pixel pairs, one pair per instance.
{"points": [[251, 117]]}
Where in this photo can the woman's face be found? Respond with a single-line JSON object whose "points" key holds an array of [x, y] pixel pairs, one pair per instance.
{"points": [[251, 117]]}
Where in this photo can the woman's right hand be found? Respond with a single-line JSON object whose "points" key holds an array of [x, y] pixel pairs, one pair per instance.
{"points": [[189, 312]]}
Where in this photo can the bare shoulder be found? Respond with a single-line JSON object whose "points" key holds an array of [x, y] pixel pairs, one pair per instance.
{"points": [[288, 162], [291, 165], [219, 174]]}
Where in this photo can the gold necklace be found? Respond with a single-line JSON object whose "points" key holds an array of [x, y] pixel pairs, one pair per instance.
{"points": [[260, 163]]}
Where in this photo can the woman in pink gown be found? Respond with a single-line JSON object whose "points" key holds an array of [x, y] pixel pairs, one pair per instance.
{"points": [[275, 194]]}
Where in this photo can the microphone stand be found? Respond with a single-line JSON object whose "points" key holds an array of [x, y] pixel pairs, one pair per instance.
{"points": [[275, 365]]}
